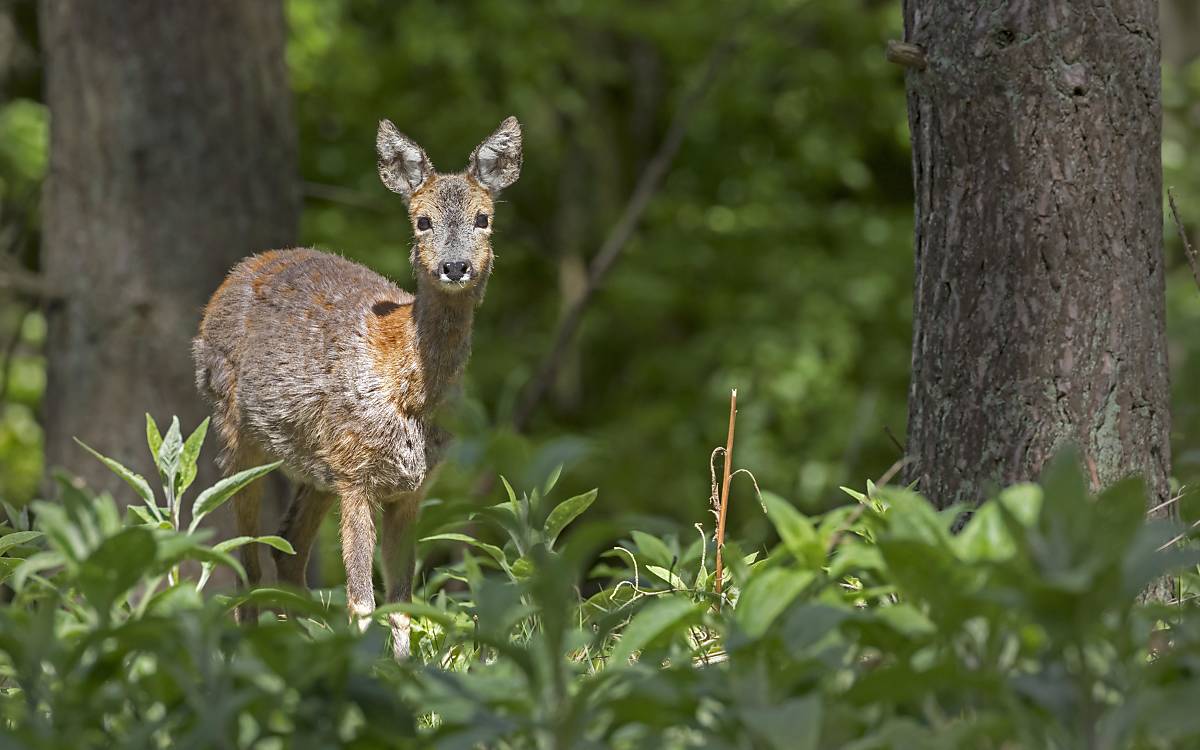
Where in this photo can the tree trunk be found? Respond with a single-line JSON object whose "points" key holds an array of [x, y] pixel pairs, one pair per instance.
{"points": [[1039, 296], [172, 155]]}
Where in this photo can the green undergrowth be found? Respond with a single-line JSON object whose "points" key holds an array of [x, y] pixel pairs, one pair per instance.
{"points": [[871, 626]]}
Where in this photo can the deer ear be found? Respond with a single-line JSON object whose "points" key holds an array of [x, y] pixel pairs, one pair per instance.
{"points": [[496, 163], [403, 165]]}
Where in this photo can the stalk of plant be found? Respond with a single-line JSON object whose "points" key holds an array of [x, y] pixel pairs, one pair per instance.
{"points": [[725, 491]]}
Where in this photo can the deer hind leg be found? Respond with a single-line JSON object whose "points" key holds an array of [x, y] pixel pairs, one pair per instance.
{"points": [[246, 505], [300, 526], [358, 552], [397, 538]]}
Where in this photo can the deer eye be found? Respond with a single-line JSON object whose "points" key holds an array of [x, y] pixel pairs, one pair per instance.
{"points": [[481, 221], [423, 223]]}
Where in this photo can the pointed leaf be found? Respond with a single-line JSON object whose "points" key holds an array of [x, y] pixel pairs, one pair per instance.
{"points": [[565, 512], [766, 596], [189, 456], [8, 541], [492, 550], [153, 437], [655, 620], [215, 496], [277, 542], [133, 479], [169, 452]]}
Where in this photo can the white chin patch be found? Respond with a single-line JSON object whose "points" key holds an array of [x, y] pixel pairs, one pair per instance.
{"points": [[455, 282]]}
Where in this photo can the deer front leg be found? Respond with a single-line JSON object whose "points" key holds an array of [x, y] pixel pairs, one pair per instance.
{"points": [[399, 547], [358, 552]]}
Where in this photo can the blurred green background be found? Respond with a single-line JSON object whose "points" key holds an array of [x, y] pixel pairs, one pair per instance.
{"points": [[776, 258]]}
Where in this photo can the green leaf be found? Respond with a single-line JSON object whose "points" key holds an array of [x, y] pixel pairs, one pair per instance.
{"points": [[35, 564], [189, 456], [492, 550], [153, 438], [789, 725], [169, 453], [215, 496], [8, 541], [652, 549], [766, 596], [417, 609], [656, 620], [552, 480], [671, 578], [133, 479], [115, 567], [8, 566], [565, 512], [277, 542], [795, 530]]}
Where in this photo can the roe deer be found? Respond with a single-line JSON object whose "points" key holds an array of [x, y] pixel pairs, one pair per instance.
{"points": [[319, 362]]}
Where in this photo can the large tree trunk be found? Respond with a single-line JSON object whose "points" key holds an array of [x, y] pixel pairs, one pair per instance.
{"points": [[1039, 296], [172, 155]]}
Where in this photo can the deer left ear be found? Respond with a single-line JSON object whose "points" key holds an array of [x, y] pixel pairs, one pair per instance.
{"points": [[496, 163], [403, 165]]}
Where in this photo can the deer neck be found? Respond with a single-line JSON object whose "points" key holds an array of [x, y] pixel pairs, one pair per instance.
{"points": [[443, 337]]}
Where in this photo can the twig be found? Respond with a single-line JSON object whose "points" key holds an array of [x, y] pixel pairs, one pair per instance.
{"points": [[620, 235], [28, 284], [1188, 250], [891, 435], [887, 476], [341, 195], [725, 492]]}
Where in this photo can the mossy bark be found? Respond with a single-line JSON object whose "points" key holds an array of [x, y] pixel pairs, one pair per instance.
{"points": [[1039, 295]]}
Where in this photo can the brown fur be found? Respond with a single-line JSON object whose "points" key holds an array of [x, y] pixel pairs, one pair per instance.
{"points": [[318, 362]]}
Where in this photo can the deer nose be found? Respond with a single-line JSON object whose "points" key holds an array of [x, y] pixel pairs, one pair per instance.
{"points": [[456, 270]]}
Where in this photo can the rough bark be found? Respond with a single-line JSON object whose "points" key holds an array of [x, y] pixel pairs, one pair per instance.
{"points": [[172, 155], [1039, 292]]}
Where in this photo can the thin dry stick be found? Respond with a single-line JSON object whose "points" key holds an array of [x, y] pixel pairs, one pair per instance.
{"points": [[725, 491], [1188, 250]]}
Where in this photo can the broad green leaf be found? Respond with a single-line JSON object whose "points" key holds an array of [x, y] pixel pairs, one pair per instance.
{"points": [[153, 437], [492, 550], [35, 564], [215, 496], [115, 567], [652, 549], [793, 724], [8, 541], [795, 530], [189, 456], [766, 596], [668, 576], [657, 619], [565, 512], [133, 479]]}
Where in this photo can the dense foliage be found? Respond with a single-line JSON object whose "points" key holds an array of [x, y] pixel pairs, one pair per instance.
{"points": [[870, 626]]}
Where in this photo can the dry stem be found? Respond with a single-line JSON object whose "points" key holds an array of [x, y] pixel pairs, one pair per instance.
{"points": [[725, 491]]}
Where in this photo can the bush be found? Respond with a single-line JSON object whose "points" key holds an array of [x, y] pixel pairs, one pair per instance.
{"points": [[871, 626]]}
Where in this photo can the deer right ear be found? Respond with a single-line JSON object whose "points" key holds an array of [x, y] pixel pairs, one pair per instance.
{"points": [[403, 165]]}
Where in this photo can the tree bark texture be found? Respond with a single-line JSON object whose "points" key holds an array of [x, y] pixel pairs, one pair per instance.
{"points": [[172, 155], [1039, 295]]}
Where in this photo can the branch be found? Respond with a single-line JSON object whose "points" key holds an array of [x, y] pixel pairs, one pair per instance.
{"points": [[28, 284], [622, 232], [1188, 250]]}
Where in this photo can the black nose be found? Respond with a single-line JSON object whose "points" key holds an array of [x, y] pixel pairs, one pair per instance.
{"points": [[455, 270]]}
